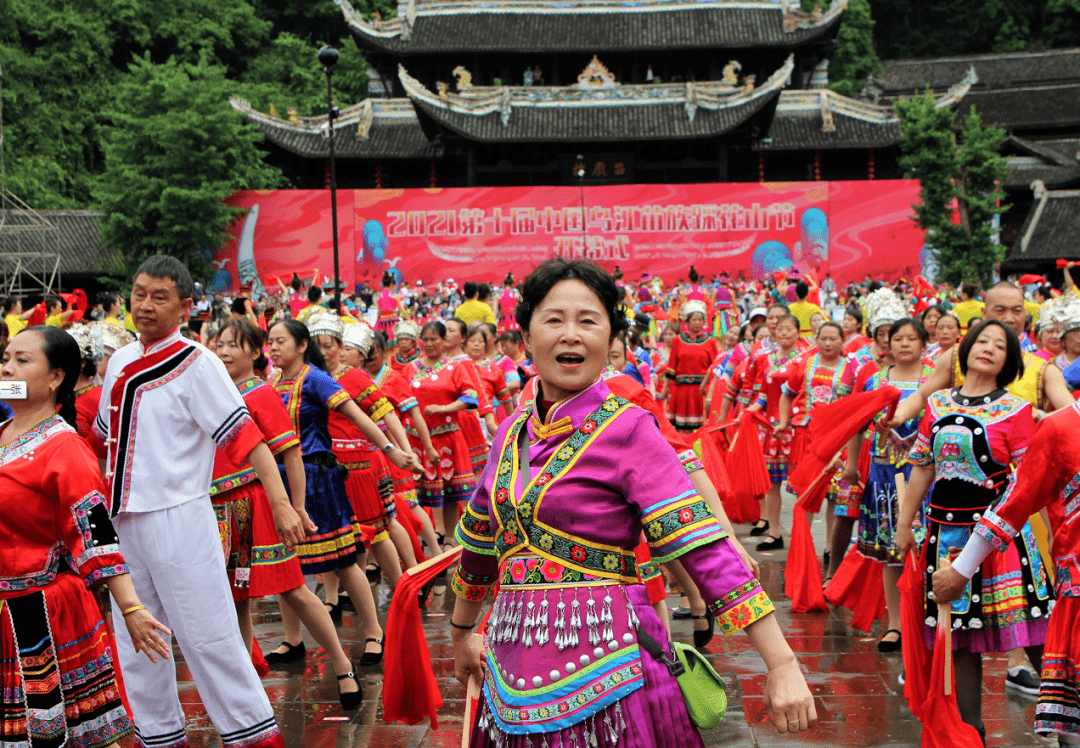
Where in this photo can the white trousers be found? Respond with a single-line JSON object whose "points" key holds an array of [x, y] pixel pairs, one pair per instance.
{"points": [[178, 569]]}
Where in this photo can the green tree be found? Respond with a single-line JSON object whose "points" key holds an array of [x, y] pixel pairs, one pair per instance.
{"points": [[174, 150], [854, 57], [1062, 23], [961, 173]]}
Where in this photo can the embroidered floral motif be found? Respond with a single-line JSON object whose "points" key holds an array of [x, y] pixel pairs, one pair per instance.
{"points": [[741, 615]]}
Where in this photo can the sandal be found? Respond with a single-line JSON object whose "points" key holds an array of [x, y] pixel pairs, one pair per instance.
{"points": [[884, 646], [352, 699], [372, 658]]}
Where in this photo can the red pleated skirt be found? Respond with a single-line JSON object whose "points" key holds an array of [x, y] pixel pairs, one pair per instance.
{"points": [[369, 486]]}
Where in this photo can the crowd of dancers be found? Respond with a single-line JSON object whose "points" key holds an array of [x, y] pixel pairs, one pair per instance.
{"points": [[578, 437]]}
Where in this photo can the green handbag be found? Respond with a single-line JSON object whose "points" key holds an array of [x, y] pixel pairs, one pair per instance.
{"points": [[702, 688]]}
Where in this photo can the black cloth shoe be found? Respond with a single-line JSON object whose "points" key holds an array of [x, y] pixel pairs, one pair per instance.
{"points": [[701, 638], [334, 610], [885, 646], [681, 613], [758, 530], [294, 653], [772, 544], [1023, 680], [350, 700], [372, 658]]}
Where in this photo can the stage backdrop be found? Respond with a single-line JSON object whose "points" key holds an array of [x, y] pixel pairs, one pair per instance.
{"points": [[846, 228]]}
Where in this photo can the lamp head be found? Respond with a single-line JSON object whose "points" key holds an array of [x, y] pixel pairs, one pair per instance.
{"points": [[328, 56]]}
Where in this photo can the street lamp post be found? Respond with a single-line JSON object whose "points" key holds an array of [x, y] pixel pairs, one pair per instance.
{"points": [[328, 57]]}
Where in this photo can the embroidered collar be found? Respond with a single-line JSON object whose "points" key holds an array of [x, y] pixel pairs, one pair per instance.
{"points": [[563, 417], [158, 345], [32, 437], [381, 376], [84, 390], [248, 385], [694, 341], [977, 400], [423, 371]]}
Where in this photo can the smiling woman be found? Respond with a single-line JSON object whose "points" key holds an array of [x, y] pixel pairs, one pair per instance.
{"points": [[573, 480]]}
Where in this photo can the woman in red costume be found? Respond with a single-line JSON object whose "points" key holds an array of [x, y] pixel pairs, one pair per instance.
{"points": [[491, 376], [691, 355], [443, 389], [257, 561], [508, 302], [408, 333], [456, 332], [56, 654]]}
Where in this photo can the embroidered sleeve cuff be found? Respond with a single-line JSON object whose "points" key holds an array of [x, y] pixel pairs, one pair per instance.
{"points": [[406, 405], [741, 607], [379, 410], [762, 401], [244, 437], [679, 524], [471, 587], [469, 398], [787, 390], [100, 429], [99, 574], [338, 399], [996, 531], [283, 442], [690, 461], [474, 532]]}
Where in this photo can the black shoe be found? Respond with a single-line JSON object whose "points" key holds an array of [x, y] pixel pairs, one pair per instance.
{"points": [[345, 601], [681, 613], [372, 658], [425, 591], [701, 638], [294, 653], [885, 646], [334, 611], [772, 544], [826, 557], [1023, 681], [350, 700], [374, 574], [758, 530]]}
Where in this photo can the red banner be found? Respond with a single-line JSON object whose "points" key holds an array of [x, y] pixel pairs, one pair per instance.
{"points": [[849, 229]]}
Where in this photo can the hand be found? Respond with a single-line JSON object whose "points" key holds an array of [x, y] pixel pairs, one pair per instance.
{"points": [[905, 541], [835, 465], [851, 476], [949, 584], [432, 455], [885, 425], [309, 527], [788, 700], [467, 662], [433, 410], [754, 408], [289, 526], [143, 629], [779, 428], [406, 461]]}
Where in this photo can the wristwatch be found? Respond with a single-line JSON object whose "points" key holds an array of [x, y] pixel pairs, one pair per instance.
{"points": [[388, 448]]}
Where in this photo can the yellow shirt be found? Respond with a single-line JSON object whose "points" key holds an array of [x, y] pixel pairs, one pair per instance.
{"points": [[804, 310], [14, 324], [309, 310], [57, 320], [1030, 307], [475, 311], [114, 321], [965, 310]]}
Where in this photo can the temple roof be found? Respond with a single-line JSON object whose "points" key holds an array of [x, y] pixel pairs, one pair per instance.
{"points": [[73, 239], [584, 113], [993, 70], [823, 119], [1048, 163], [374, 128], [1051, 227], [1026, 107], [590, 26]]}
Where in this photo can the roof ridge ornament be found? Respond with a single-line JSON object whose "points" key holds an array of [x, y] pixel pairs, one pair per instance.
{"points": [[827, 123], [367, 116], [691, 100], [596, 75], [504, 106]]}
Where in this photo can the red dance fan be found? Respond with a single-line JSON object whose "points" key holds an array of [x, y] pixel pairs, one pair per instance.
{"points": [[1029, 278], [858, 587], [412, 526], [410, 691], [1062, 263], [262, 667], [751, 476], [832, 425], [802, 578], [712, 457]]}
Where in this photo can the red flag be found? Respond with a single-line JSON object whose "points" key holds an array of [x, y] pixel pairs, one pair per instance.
{"points": [[802, 578], [942, 725], [858, 586], [832, 425], [410, 691], [917, 658], [923, 288]]}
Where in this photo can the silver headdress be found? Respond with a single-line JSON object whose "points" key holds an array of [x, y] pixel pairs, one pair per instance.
{"points": [[407, 329], [324, 323], [694, 306], [359, 336], [883, 307]]}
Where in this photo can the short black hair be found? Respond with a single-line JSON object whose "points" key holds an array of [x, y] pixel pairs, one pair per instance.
{"points": [[553, 271], [9, 303], [52, 301], [903, 322], [296, 283], [942, 311], [777, 305], [512, 336], [250, 338], [238, 306], [970, 289], [830, 323], [493, 331], [802, 290], [790, 318], [314, 294], [483, 291], [470, 289], [163, 266], [463, 329], [438, 327], [1012, 369], [855, 313]]}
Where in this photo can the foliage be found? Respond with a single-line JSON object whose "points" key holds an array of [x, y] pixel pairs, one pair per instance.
{"points": [[854, 57], [173, 151], [961, 174]]}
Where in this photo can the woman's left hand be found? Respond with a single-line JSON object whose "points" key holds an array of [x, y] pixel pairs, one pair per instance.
{"points": [[788, 700], [433, 410], [143, 629], [949, 584]]}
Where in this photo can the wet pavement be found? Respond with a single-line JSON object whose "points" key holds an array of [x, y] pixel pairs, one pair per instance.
{"points": [[859, 700]]}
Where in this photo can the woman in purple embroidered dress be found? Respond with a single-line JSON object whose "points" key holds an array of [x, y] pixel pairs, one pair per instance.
{"points": [[563, 667]]}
